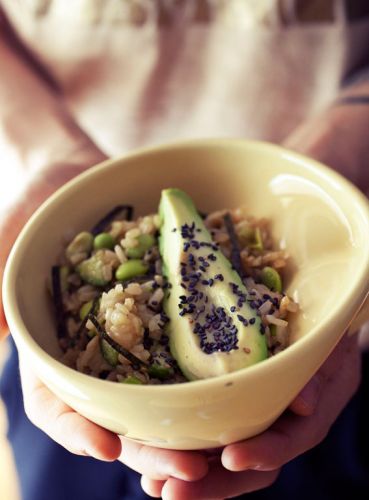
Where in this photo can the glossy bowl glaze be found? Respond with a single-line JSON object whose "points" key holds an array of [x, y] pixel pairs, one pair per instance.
{"points": [[320, 218]]}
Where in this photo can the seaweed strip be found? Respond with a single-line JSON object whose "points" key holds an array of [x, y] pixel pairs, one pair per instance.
{"points": [[58, 301], [112, 215], [235, 251], [136, 362]]}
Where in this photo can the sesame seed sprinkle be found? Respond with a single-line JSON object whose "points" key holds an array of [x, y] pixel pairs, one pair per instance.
{"points": [[214, 327]]}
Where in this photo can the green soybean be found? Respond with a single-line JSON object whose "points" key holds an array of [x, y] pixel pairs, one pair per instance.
{"points": [[104, 240], [92, 270], [145, 242], [273, 330], [131, 379], [272, 279], [160, 372], [85, 309], [83, 242], [130, 269], [109, 353], [64, 273], [257, 244]]}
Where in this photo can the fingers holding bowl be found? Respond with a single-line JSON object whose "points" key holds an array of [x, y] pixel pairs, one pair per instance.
{"points": [[62, 424], [218, 484], [295, 432], [160, 464]]}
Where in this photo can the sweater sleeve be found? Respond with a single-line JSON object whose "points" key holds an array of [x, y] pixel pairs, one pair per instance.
{"points": [[41, 146]]}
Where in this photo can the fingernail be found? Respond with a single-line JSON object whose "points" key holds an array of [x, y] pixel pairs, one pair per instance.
{"points": [[259, 467]]}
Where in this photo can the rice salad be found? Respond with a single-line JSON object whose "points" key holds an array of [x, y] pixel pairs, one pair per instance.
{"points": [[109, 288]]}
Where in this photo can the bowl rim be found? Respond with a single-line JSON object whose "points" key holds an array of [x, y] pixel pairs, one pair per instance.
{"points": [[23, 337]]}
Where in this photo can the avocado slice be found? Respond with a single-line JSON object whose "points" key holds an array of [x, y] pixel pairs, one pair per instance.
{"points": [[213, 329]]}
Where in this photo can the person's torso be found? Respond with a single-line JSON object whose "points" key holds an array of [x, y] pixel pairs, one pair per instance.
{"points": [[138, 72]]}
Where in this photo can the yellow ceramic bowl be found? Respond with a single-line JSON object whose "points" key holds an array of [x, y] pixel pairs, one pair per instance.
{"points": [[319, 217]]}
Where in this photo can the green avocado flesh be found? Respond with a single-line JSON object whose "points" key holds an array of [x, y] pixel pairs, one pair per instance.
{"points": [[207, 303]]}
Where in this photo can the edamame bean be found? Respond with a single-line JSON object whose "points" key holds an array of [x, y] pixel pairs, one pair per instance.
{"points": [[273, 330], [83, 242], [131, 379], [130, 269], [64, 273], [160, 372], [272, 279], [109, 353], [257, 244], [92, 270], [85, 309], [145, 241], [104, 240]]}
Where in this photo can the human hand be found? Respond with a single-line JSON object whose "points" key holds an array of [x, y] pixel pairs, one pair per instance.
{"points": [[254, 464], [83, 437], [36, 188], [238, 468]]}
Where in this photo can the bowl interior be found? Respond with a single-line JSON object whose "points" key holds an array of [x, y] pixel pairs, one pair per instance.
{"points": [[315, 215]]}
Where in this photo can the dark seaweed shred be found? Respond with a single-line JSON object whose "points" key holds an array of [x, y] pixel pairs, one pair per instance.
{"points": [[235, 249], [58, 301], [120, 212], [136, 362]]}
